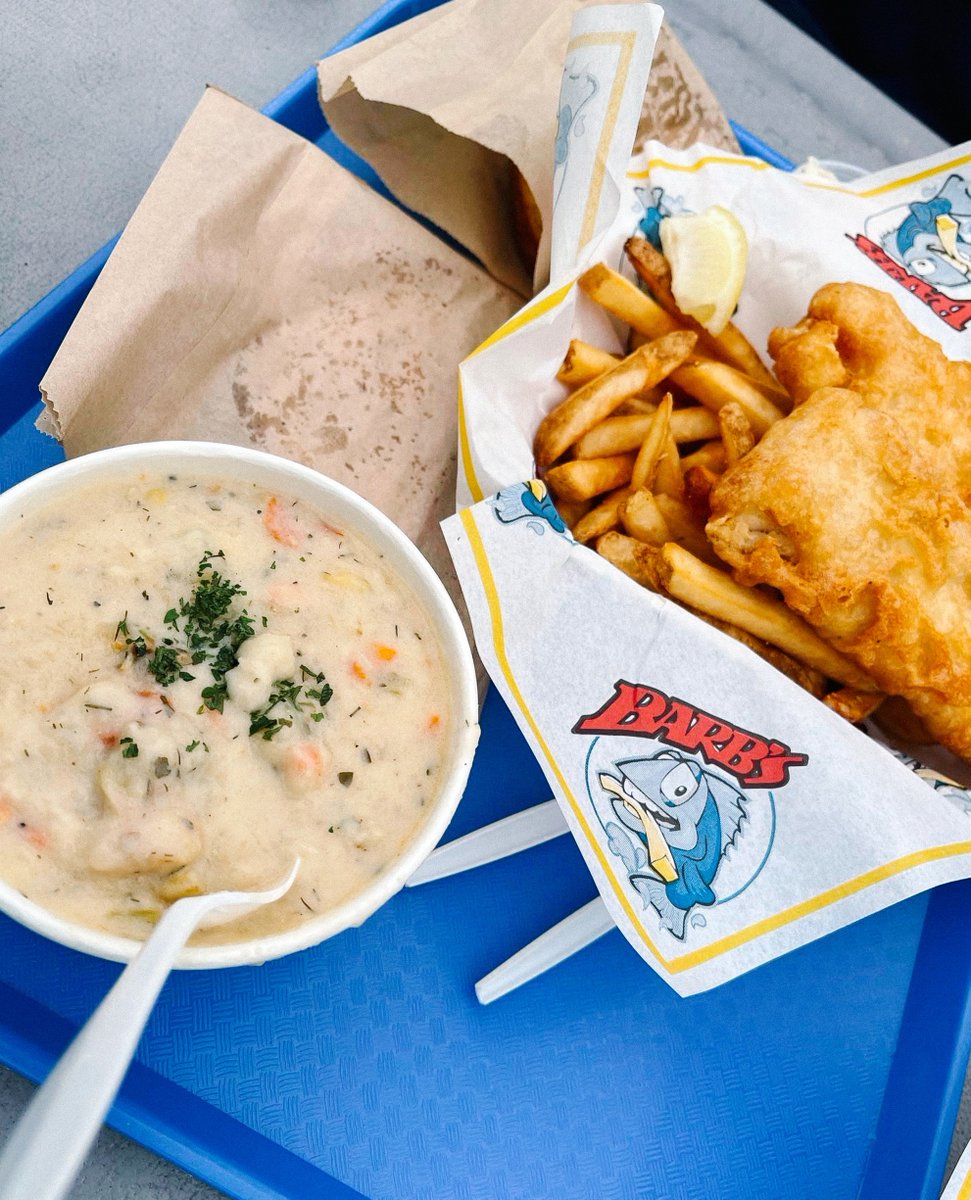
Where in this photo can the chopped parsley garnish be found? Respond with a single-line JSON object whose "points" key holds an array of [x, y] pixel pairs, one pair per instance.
{"points": [[165, 665], [322, 694], [211, 633], [288, 691], [129, 747], [214, 696], [138, 646]]}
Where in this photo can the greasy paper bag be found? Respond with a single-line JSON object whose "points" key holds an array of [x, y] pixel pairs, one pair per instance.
{"points": [[262, 295], [726, 816], [448, 106]]}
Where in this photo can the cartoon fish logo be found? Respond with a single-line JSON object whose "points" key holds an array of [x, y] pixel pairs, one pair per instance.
{"points": [[677, 827], [656, 204], [530, 502], [933, 238]]}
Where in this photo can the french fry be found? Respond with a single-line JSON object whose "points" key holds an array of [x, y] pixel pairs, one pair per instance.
{"points": [[602, 517], [668, 479], [642, 518], [583, 362], [642, 514], [698, 482], [655, 441], [597, 399], [738, 437], [852, 704], [694, 424], [710, 590], [774, 392], [685, 529], [615, 435], [632, 557], [808, 678], [730, 346], [572, 511], [711, 455], [582, 479], [626, 300], [716, 384], [618, 434], [646, 402]]}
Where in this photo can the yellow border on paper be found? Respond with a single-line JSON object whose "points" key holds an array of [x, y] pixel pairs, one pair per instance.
{"points": [[541, 305], [499, 641], [525, 315], [728, 160], [965, 1192], [898, 183], [753, 164], [694, 958], [625, 43], [756, 164]]}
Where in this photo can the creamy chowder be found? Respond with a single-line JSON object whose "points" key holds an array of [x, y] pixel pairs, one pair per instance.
{"points": [[200, 680]]}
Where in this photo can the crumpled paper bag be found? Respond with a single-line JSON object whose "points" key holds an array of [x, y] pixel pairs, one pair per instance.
{"points": [[262, 295], [447, 106]]}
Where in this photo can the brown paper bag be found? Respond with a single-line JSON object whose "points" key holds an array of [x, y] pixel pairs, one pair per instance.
{"points": [[448, 106], [261, 295]]}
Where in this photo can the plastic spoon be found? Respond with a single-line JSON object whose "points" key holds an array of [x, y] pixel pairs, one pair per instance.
{"points": [[52, 1138]]}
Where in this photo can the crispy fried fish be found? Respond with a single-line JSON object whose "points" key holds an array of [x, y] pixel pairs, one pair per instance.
{"points": [[855, 506]]}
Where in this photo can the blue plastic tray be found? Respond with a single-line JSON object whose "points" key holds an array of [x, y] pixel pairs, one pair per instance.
{"points": [[366, 1067]]}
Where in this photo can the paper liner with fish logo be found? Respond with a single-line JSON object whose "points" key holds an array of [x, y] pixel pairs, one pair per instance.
{"points": [[531, 503], [689, 835], [925, 246]]}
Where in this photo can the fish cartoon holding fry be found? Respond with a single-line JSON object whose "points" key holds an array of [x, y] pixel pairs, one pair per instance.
{"points": [[685, 821]]}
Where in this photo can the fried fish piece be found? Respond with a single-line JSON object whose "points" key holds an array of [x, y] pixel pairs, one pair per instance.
{"points": [[857, 337], [855, 506]]}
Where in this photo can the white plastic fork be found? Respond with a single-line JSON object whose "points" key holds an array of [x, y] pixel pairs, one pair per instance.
{"points": [[50, 1142], [566, 937], [508, 836], [518, 832]]}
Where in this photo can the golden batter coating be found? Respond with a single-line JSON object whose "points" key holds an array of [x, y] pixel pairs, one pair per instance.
{"points": [[855, 505]]}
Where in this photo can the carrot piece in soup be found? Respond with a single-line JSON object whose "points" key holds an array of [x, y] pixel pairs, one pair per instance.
{"points": [[36, 837], [278, 525], [305, 760]]}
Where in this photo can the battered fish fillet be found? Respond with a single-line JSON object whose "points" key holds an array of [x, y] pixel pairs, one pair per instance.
{"points": [[855, 505]]}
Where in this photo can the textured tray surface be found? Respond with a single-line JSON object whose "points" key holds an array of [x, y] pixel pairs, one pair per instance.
{"points": [[369, 1059]]}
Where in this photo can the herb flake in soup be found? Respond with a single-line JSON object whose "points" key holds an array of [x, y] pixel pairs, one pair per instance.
{"points": [[199, 681]]}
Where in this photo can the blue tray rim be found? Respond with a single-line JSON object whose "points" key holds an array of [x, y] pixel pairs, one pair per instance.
{"points": [[173, 1122]]}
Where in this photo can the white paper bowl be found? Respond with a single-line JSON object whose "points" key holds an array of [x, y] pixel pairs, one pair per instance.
{"points": [[207, 459]]}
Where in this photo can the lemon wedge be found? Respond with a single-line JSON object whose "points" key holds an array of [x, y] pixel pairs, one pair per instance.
{"points": [[707, 252]]}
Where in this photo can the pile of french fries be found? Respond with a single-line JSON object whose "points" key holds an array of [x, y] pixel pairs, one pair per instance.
{"points": [[631, 456]]}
